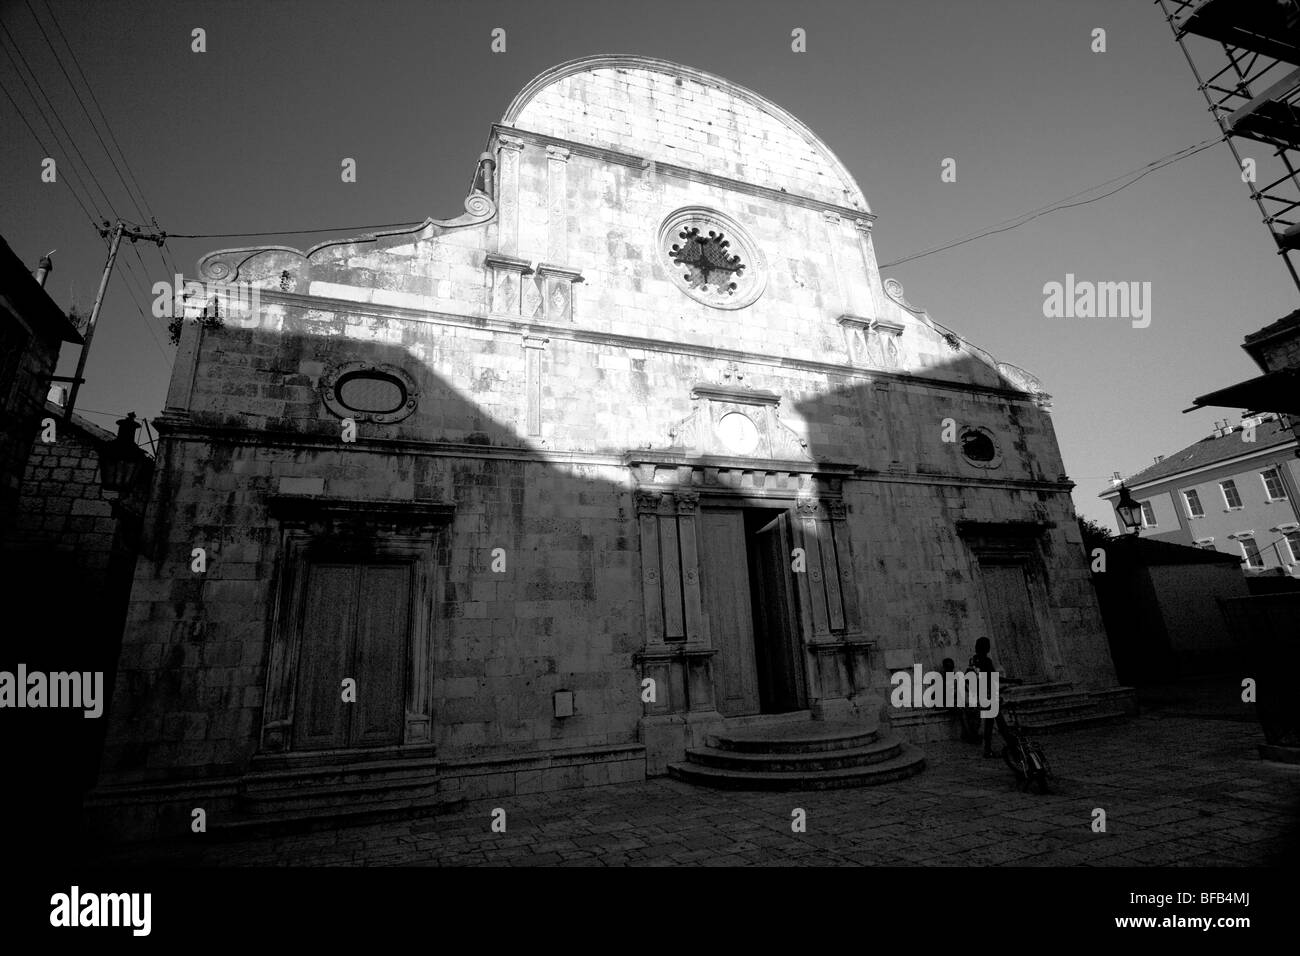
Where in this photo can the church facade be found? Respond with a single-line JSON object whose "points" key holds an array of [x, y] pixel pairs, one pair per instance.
{"points": [[639, 447]]}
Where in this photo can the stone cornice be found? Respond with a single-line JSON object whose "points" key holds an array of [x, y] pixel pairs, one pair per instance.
{"points": [[682, 172], [500, 323], [731, 393], [183, 429]]}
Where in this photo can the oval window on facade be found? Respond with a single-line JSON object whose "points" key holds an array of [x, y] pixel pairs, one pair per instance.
{"points": [[979, 448], [371, 392]]}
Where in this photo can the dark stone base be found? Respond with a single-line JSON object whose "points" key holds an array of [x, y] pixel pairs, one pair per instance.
{"points": [[1279, 753]]}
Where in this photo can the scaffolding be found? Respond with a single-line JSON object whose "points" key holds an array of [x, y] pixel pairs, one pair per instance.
{"points": [[1253, 93]]}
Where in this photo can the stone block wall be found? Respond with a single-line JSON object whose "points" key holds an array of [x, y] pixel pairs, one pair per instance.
{"points": [[547, 343]]}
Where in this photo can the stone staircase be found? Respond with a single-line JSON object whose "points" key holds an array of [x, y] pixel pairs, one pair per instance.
{"points": [[803, 755], [372, 787], [1051, 707]]}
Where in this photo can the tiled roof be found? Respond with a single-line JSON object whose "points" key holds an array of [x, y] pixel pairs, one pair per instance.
{"points": [[1210, 450], [1286, 322]]}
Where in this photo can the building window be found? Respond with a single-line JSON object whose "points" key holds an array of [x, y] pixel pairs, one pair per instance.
{"points": [[710, 257], [707, 260], [382, 394], [1293, 544], [979, 447], [1273, 485], [1250, 550], [1205, 544], [1230, 496], [1193, 499], [1148, 515]]}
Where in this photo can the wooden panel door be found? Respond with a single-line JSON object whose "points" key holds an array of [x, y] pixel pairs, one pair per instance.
{"points": [[381, 652], [725, 568], [356, 623], [1014, 627], [325, 656]]}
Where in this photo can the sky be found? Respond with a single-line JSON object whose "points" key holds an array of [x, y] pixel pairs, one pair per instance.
{"points": [[248, 137]]}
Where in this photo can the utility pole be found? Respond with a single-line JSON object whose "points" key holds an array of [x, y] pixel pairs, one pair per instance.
{"points": [[117, 232]]}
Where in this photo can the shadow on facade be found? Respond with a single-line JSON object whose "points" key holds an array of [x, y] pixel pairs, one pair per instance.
{"points": [[374, 560]]}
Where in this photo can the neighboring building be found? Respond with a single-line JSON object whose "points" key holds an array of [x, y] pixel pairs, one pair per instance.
{"points": [[32, 330], [639, 449], [1276, 350], [1162, 604], [67, 557], [73, 554], [1234, 491]]}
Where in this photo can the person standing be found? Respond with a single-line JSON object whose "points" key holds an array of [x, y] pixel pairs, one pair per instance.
{"points": [[982, 663]]}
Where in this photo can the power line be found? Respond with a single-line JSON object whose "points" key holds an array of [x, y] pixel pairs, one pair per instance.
{"points": [[168, 262], [94, 99], [50, 106], [131, 274], [82, 103], [284, 232], [94, 218], [1027, 217]]}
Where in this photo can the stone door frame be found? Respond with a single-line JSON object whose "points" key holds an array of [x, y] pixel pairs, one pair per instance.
{"points": [[678, 649], [1016, 542], [330, 529]]}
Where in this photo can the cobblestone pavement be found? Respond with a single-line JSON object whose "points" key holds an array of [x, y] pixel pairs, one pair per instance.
{"points": [[1176, 791]]}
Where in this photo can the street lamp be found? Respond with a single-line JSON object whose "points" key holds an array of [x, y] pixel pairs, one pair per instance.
{"points": [[120, 461], [1129, 511]]}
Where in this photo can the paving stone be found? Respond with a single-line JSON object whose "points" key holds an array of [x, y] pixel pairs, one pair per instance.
{"points": [[959, 812]]}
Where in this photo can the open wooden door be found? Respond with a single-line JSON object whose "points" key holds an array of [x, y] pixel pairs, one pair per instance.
{"points": [[782, 686], [726, 596]]}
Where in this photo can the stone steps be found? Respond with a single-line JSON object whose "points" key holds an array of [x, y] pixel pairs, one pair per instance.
{"points": [[388, 784], [808, 736], [877, 751], [807, 755], [909, 761], [1057, 707]]}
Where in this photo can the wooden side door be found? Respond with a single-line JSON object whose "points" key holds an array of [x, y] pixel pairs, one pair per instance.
{"points": [[325, 656], [726, 598], [1013, 624], [383, 626]]}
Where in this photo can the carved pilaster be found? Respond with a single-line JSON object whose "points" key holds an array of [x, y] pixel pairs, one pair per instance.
{"points": [[647, 502], [509, 152], [557, 161], [533, 346]]}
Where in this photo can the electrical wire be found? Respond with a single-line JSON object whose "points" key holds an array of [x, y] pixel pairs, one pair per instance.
{"points": [[1024, 218], [95, 217], [168, 262], [71, 140], [82, 103], [285, 232]]}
